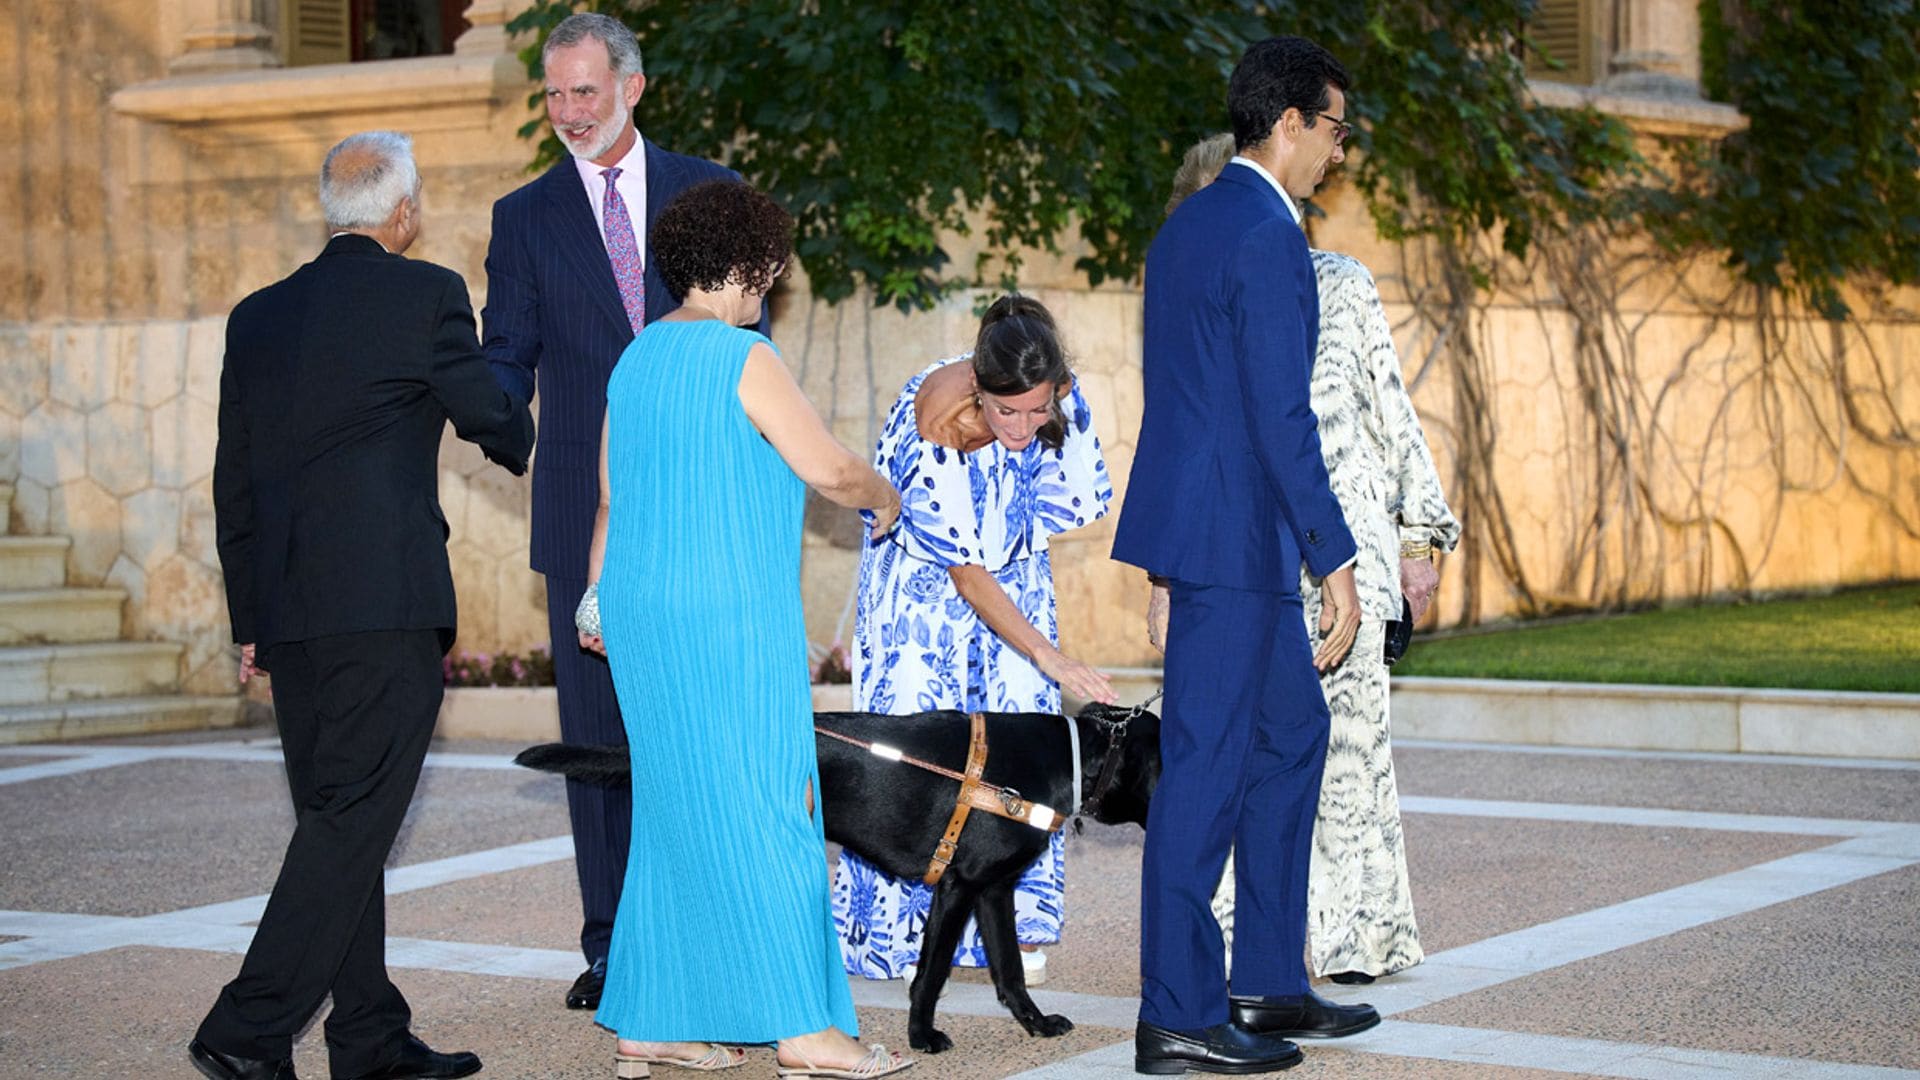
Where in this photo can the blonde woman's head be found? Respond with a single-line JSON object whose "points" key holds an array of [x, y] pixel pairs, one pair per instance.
{"points": [[1201, 166]]}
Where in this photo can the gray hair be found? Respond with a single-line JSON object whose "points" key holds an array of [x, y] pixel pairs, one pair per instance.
{"points": [[365, 177], [623, 50], [1201, 167]]}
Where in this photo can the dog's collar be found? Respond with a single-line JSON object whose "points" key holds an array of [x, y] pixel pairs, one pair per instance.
{"points": [[1116, 750], [1109, 765]]}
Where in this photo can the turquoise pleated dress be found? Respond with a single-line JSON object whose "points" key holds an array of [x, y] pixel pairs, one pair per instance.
{"points": [[724, 931]]}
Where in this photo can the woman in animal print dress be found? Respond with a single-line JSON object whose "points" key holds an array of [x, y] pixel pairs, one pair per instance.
{"points": [[1359, 908]]}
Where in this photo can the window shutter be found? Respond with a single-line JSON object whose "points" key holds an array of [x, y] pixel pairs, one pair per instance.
{"points": [[1563, 30], [317, 31]]}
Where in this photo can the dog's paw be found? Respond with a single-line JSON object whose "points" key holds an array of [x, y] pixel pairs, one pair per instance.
{"points": [[933, 1042], [1050, 1027]]}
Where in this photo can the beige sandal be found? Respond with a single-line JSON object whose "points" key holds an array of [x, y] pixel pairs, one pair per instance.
{"points": [[878, 1062], [717, 1057]]}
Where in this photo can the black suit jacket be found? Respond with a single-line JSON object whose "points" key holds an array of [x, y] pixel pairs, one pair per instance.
{"points": [[553, 311], [337, 386]]}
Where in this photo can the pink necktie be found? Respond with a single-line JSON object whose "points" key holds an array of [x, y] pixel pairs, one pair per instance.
{"points": [[628, 271]]}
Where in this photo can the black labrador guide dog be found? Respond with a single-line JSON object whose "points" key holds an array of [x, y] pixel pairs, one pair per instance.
{"points": [[894, 814]]}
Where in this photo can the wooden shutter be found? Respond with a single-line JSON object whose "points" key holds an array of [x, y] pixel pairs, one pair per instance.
{"points": [[317, 31], [1563, 29]]}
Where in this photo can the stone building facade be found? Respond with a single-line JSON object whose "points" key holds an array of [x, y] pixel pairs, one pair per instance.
{"points": [[160, 164]]}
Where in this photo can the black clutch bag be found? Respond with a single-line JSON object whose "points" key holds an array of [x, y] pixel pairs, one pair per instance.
{"points": [[1399, 633]]}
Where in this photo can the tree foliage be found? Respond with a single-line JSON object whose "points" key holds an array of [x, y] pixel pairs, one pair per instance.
{"points": [[1823, 187], [883, 124]]}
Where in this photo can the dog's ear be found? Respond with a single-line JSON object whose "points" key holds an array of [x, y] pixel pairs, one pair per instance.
{"points": [[1131, 796]]}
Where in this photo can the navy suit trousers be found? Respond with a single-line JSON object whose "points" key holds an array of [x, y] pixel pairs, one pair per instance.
{"points": [[602, 816], [1243, 740]]}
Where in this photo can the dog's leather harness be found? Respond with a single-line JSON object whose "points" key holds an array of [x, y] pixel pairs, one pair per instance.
{"points": [[975, 794]]}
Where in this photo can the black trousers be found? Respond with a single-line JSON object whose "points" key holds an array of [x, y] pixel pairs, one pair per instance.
{"points": [[356, 712], [602, 816]]}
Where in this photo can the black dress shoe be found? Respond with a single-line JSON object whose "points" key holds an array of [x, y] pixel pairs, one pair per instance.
{"points": [[215, 1065], [1351, 978], [1222, 1048], [418, 1061], [1308, 1016], [585, 992]]}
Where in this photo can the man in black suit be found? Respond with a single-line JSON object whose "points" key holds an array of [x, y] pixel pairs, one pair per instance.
{"points": [[569, 284], [337, 386]]}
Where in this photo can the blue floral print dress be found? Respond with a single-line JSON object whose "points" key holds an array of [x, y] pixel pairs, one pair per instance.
{"points": [[919, 646]]}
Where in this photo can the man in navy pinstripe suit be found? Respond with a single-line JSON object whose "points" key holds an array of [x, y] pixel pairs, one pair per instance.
{"points": [[568, 286]]}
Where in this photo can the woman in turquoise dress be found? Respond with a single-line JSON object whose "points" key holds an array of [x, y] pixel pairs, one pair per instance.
{"points": [[994, 452], [723, 934]]}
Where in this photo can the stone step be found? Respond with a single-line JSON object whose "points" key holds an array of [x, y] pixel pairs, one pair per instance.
{"points": [[44, 674], [33, 562], [6, 506], [60, 615], [60, 721]]}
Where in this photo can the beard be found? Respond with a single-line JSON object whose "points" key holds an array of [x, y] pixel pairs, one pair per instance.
{"points": [[609, 130]]}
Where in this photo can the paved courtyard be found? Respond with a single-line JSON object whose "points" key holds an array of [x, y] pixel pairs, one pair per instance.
{"points": [[1585, 913]]}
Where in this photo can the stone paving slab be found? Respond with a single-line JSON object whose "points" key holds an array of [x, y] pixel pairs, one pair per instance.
{"points": [[1565, 894], [146, 1016], [1475, 878], [188, 832], [197, 832], [1751, 786], [1826, 977], [10, 761], [538, 907]]}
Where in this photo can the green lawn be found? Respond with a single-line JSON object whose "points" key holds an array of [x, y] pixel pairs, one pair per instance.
{"points": [[1864, 639]]}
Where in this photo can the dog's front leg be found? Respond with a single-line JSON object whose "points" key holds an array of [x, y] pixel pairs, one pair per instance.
{"points": [[995, 912], [946, 920]]}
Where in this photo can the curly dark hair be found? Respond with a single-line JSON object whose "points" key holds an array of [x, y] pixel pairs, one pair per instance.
{"points": [[1278, 74], [1018, 348], [717, 231]]}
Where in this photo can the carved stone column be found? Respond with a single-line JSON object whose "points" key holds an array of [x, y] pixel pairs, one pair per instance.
{"points": [[487, 27], [226, 35], [1657, 49]]}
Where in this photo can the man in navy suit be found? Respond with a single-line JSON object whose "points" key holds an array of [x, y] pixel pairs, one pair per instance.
{"points": [[568, 287], [1228, 495]]}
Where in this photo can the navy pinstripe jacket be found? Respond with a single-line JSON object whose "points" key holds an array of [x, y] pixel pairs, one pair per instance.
{"points": [[553, 319]]}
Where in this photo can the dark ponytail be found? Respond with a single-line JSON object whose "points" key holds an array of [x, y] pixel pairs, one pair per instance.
{"points": [[1018, 349]]}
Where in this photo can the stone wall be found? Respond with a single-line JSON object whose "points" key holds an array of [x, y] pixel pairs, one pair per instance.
{"points": [[144, 209]]}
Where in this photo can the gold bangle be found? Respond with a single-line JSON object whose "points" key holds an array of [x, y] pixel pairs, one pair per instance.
{"points": [[1416, 549]]}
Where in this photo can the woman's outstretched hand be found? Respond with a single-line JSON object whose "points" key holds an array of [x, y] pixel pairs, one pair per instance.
{"points": [[1083, 681], [593, 644]]}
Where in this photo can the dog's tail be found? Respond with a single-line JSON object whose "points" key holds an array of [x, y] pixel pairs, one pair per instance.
{"points": [[609, 765]]}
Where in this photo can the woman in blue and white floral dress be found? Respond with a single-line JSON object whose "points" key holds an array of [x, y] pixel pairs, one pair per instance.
{"points": [[993, 452]]}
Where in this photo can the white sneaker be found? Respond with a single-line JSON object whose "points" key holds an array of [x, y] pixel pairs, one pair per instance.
{"points": [[1035, 964]]}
